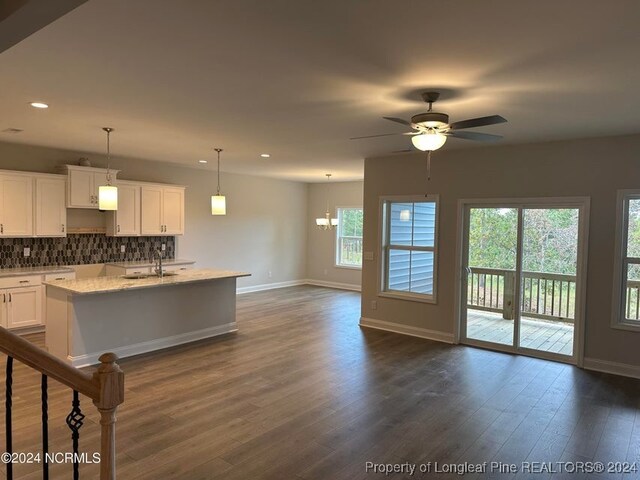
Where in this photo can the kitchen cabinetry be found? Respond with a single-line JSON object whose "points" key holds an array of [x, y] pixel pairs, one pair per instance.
{"points": [[162, 210], [16, 205], [51, 209], [125, 222], [21, 299], [83, 183]]}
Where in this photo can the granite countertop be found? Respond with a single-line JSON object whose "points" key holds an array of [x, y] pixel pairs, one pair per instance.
{"points": [[16, 272], [149, 263], [119, 283]]}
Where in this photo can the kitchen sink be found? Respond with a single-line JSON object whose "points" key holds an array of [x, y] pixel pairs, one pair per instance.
{"points": [[140, 276]]}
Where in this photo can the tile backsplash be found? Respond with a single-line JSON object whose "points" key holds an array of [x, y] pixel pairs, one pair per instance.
{"points": [[80, 249]]}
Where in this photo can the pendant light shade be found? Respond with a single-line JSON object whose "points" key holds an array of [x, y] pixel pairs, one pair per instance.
{"points": [[218, 205], [108, 194], [218, 201], [326, 222], [429, 141], [107, 197]]}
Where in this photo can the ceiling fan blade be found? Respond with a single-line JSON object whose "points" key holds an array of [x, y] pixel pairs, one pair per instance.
{"points": [[477, 122], [384, 135], [477, 136], [398, 120]]}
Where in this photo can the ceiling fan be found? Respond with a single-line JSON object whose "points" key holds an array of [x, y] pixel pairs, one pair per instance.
{"points": [[432, 129]]}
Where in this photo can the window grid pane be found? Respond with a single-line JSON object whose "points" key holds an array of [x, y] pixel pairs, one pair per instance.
{"points": [[410, 251], [349, 237]]}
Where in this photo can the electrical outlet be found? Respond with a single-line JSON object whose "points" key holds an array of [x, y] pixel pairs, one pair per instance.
{"points": [[374, 304], [123, 249], [27, 252], [269, 274], [164, 247]]}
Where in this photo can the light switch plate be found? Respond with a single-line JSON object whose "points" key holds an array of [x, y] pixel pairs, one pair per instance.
{"points": [[368, 255], [164, 247], [27, 252], [122, 248]]}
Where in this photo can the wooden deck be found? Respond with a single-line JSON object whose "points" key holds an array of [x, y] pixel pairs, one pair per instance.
{"points": [[543, 335]]}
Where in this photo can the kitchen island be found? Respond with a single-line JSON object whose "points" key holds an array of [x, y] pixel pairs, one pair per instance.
{"points": [[130, 316]]}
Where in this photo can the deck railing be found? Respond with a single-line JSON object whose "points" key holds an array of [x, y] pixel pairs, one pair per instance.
{"points": [[350, 250], [550, 296], [105, 387]]}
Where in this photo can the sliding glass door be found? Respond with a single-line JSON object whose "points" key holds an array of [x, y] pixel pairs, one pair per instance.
{"points": [[521, 277]]}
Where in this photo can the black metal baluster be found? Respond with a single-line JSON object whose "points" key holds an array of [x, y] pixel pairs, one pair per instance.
{"points": [[45, 428], [75, 421], [8, 403]]}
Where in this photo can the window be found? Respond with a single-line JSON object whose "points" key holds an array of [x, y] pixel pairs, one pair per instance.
{"points": [[409, 248], [349, 238], [627, 281]]}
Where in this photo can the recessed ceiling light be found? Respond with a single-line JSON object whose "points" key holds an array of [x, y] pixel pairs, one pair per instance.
{"points": [[265, 155], [202, 161], [39, 105]]}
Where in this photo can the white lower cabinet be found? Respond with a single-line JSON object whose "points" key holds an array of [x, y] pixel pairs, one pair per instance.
{"points": [[21, 306]]}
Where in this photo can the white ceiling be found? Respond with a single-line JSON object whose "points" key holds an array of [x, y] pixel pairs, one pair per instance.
{"points": [[296, 79]]}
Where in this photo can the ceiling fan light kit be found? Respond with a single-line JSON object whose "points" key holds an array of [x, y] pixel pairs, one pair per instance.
{"points": [[431, 129]]}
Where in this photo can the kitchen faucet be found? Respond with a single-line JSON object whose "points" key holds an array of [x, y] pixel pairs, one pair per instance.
{"points": [[158, 265]]}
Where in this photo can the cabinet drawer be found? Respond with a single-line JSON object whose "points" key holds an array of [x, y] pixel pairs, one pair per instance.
{"points": [[13, 282], [60, 276], [176, 268]]}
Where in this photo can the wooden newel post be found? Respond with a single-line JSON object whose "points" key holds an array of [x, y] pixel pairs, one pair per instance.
{"points": [[110, 380]]}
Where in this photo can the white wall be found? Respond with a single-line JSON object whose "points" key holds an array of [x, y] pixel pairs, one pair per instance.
{"points": [[321, 247], [594, 168], [265, 229]]}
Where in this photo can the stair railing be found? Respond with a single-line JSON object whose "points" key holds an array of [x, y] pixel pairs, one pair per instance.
{"points": [[105, 387]]}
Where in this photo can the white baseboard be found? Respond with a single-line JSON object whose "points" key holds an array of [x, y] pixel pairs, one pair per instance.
{"points": [[340, 286], [406, 330], [269, 286], [158, 344], [615, 368]]}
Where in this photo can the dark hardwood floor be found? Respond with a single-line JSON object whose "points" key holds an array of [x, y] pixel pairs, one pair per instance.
{"points": [[301, 392]]}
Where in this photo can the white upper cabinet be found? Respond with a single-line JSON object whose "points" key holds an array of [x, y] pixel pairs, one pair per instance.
{"points": [[83, 183], [125, 222], [162, 210], [16, 205], [51, 208], [173, 210]]}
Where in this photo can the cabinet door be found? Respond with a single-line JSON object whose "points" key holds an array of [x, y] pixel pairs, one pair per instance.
{"points": [[173, 210], [51, 208], [151, 211], [16, 206], [127, 217], [81, 190], [24, 306], [3, 308]]}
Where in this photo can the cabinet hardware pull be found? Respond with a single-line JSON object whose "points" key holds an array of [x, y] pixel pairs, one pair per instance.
{"points": [[24, 281], [118, 228], [63, 228], [4, 298], [1, 227], [9, 298], [60, 278]]}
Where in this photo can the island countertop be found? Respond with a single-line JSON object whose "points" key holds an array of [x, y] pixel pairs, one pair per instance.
{"points": [[119, 283]]}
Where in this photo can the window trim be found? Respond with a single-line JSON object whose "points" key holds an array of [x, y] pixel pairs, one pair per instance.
{"points": [[337, 237], [384, 235], [621, 261]]}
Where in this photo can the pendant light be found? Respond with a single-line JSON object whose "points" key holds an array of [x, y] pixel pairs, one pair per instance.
{"points": [[326, 222], [108, 194], [218, 202]]}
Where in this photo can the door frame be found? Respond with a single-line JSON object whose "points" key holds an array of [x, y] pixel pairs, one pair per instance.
{"points": [[583, 204]]}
